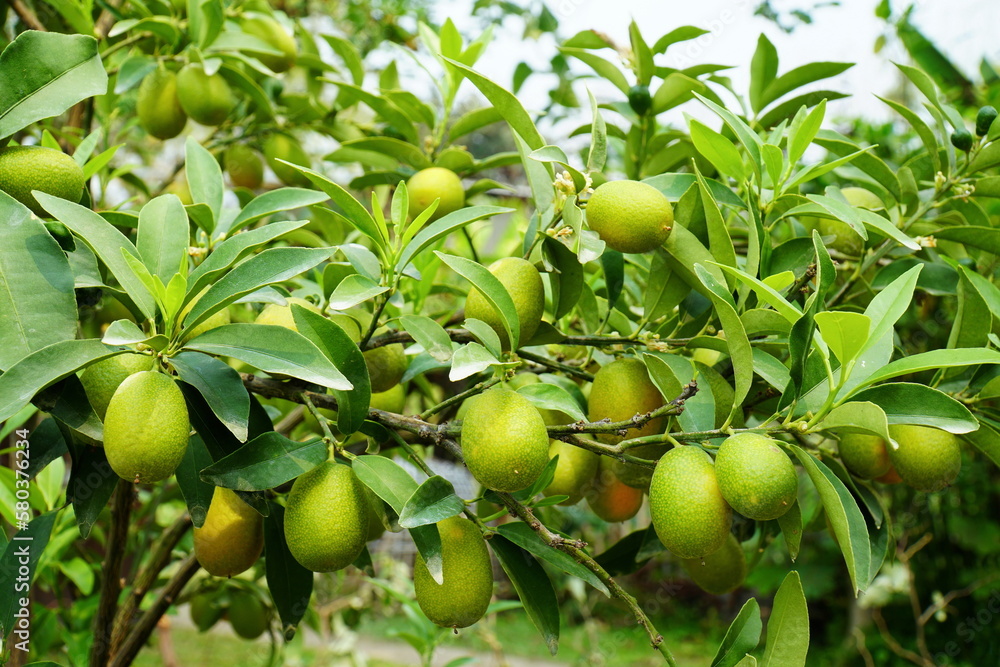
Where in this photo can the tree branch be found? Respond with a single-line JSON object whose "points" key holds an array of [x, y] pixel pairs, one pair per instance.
{"points": [[27, 16], [140, 634], [111, 585], [159, 559], [463, 336], [575, 549]]}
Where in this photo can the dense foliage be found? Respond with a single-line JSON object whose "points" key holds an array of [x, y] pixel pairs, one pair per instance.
{"points": [[258, 290]]}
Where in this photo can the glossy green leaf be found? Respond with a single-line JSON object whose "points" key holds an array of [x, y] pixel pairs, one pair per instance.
{"points": [[791, 529], [552, 397], [845, 332], [909, 403], [386, 479], [491, 288], [197, 493], [272, 349], [42, 74], [742, 636], [523, 536], [434, 500], [533, 588], [269, 203], [204, 177], [13, 565], [220, 385], [858, 416], [428, 334], [736, 336], [265, 462], [343, 352], [787, 643], [37, 299], [933, 360], [290, 584], [845, 517]]}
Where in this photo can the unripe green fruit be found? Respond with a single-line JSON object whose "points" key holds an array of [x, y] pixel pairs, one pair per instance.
{"points": [[386, 366], [214, 321], [326, 518], [157, 105], [281, 316], [522, 281], [864, 455], [574, 471], [720, 572], [620, 391], [274, 35], [639, 99], [755, 476], [630, 216], [244, 166], [722, 393], [435, 183], [962, 139], [102, 379], [392, 400], [248, 615], [283, 147], [146, 428], [27, 168], [205, 612], [984, 120], [232, 537], [689, 514], [206, 98], [928, 459], [609, 498], [467, 586], [504, 440]]}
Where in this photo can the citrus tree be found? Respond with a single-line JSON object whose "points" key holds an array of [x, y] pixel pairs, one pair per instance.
{"points": [[334, 291]]}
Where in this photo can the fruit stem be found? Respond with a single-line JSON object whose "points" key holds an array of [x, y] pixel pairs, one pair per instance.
{"points": [[575, 550], [458, 398]]}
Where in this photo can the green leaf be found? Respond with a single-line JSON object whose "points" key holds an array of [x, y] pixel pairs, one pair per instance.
{"points": [[31, 374], [484, 334], [736, 336], [717, 149], [272, 349], [470, 359], [506, 103], [354, 212], [858, 416], [791, 528], [404, 152], [492, 289], [42, 74], [197, 493], [17, 568], [343, 352], [766, 293], [428, 334], [386, 479], [232, 249], [684, 252], [37, 299], [472, 121], [434, 500], [354, 289], [986, 440], [162, 238], [603, 67], [926, 134], [428, 543], [787, 641], [204, 177], [845, 517], [985, 238], [290, 584], [220, 386], [682, 34], [933, 360], [803, 130], [800, 76], [751, 142], [598, 153], [269, 203], [523, 536], [676, 89], [546, 396], [267, 461], [273, 265], [763, 70], [106, 242], [845, 332], [673, 186], [890, 304], [533, 588], [742, 636], [909, 403]]}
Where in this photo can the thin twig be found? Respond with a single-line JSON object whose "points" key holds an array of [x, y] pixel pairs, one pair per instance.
{"points": [[140, 634], [159, 559], [27, 16]]}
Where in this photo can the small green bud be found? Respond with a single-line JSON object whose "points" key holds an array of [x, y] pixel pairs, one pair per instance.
{"points": [[640, 100], [962, 140], [984, 119]]}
